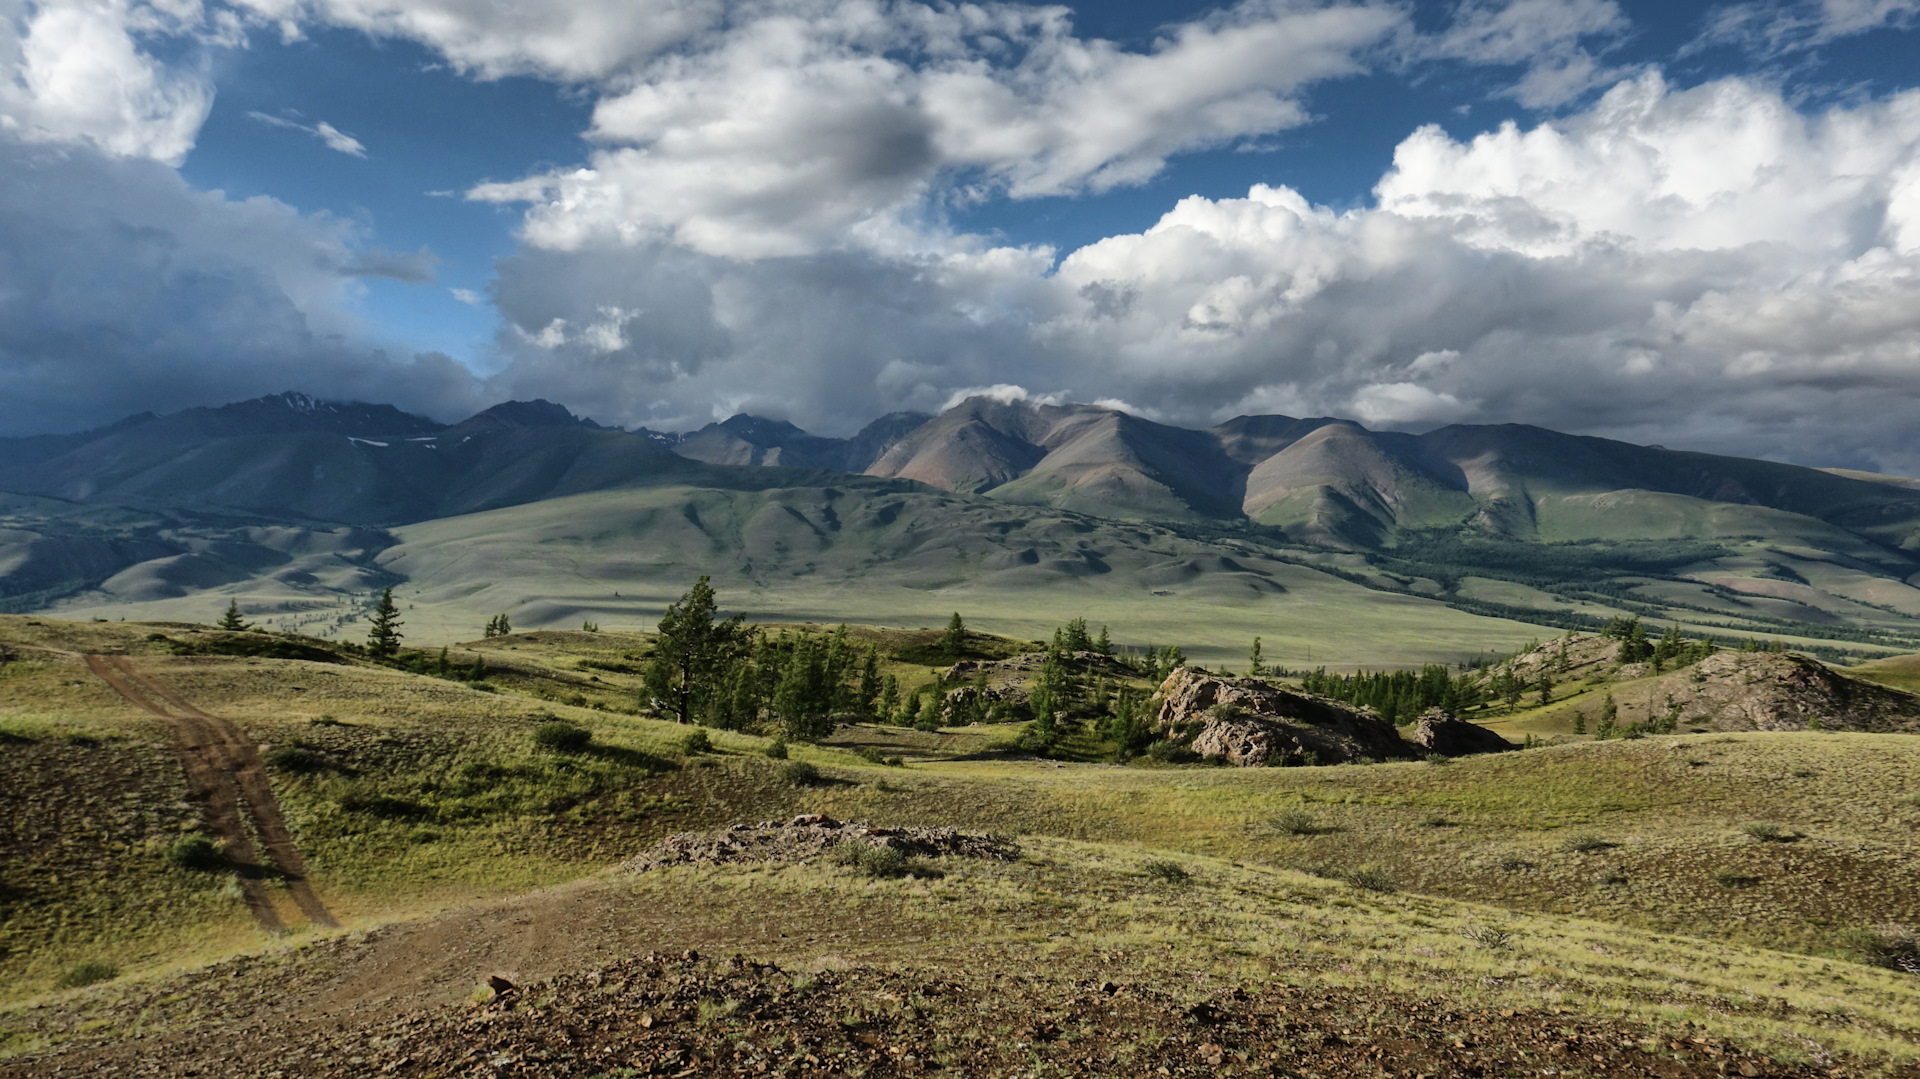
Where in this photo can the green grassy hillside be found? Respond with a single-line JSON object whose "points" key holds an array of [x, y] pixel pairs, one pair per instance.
{"points": [[886, 554], [1721, 885]]}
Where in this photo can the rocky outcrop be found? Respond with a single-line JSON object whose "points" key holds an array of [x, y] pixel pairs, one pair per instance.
{"points": [[1027, 664], [1245, 721], [809, 836], [1764, 691], [1439, 731], [968, 703]]}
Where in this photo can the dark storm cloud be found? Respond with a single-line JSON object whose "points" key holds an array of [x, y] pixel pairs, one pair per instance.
{"points": [[122, 290]]}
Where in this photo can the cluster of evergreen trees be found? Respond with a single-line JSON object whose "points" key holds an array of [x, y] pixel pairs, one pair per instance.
{"points": [[1670, 650], [724, 673], [1399, 696]]}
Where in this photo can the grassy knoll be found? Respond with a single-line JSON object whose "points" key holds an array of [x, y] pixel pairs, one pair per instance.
{"points": [[1900, 672]]}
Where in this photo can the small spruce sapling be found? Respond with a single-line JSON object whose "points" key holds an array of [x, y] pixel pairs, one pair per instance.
{"points": [[1609, 724], [231, 621]]}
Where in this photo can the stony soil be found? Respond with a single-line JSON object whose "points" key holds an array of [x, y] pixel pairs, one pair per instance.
{"points": [[681, 1014], [811, 835]]}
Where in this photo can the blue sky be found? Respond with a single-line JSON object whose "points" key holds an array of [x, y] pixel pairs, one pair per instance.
{"points": [[664, 211]]}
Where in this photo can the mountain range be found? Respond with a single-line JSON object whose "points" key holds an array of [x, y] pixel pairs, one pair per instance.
{"points": [[1495, 518]]}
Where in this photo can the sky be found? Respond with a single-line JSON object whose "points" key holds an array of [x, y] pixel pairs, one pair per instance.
{"points": [[1689, 224]]}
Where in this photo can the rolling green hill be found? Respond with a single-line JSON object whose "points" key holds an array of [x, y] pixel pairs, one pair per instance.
{"points": [[1028, 513], [795, 548]]}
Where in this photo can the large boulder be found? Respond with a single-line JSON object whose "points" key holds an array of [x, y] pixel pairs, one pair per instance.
{"points": [[1439, 731], [1246, 721]]}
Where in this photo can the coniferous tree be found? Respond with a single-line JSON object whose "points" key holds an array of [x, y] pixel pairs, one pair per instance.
{"points": [[1579, 723], [383, 632], [1546, 690], [1254, 667], [231, 621], [1609, 723], [693, 652], [869, 691], [836, 666], [954, 641], [889, 697], [1510, 692], [1103, 644], [930, 709]]}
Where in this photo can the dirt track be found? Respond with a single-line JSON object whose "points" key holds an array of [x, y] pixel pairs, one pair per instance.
{"points": [[228, 778]]}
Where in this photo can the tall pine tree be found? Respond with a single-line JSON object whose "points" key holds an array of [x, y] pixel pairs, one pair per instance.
{"points": [[383, 632]]}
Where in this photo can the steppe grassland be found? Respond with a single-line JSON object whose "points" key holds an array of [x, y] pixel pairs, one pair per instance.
{"points": [[1097, 906], [1664, 814], [561, 561], [1900, 672]]}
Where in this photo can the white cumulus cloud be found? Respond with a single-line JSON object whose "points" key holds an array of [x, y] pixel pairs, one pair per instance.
{"points": [[77, 71], [836, 121], [1704, 267]]}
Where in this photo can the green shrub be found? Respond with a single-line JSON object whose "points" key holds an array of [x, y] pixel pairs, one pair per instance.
{"points": [[1489, 937], [1609, 878], [801, 774], [384, 806], [1166, 872], [879, 860], [87, 973], [1169, 752], [696, 741], [1584, 843], [1374, 878], [1293, 822], [198, 853], [1896, 947], [560, 736], [1512, 863], [1768, 832], [1733, 878], [777, 749], [298, 759]]}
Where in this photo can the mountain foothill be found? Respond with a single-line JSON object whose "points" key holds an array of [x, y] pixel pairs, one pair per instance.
{"points": [[288, 500]]}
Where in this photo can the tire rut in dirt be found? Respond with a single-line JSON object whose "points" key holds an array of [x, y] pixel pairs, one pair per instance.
{"points": [[250, 772], [212, 787]]}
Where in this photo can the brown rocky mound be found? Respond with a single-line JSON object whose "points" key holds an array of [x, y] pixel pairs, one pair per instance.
{"points": [[1756, 691], [1245, 721], [1439, 731], [811, 835], [1762, 691]]}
